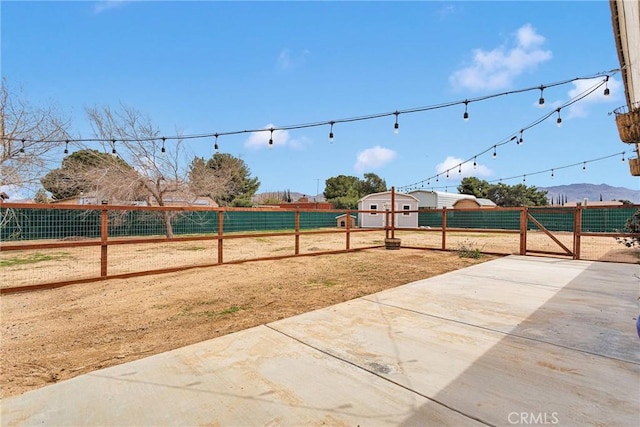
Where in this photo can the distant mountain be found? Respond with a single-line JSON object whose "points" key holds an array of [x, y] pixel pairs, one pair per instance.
{"points": [[593, 192]]}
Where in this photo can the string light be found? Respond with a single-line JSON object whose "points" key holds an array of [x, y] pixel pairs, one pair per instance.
{"points": [[559, 119], [475, 164], [163, 150], [521, 140], [271, 138], [447, 173], [396, 127], [460, 168], [623, 157], [524, 178], [465, 116], [331, 132], [353, 119], [495, 154], [552, 175], [21, 151], [606, 86], [215, 144], [541, 100], [113, 147], [540, 120], [584, 166], [66, 147]]}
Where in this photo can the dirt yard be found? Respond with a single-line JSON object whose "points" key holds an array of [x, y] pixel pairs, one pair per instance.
{"points": [[53, 335]]}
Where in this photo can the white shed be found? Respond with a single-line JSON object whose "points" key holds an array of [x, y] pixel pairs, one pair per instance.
{"points": [[381, 202], [437, 199]]}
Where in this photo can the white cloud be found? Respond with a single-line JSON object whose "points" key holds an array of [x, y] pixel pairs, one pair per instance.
{"points": [[288, 60], [281, 138], [373, 158], [104, 5], [497, 68], [453, 164]]}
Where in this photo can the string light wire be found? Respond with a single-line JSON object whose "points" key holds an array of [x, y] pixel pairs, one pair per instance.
{"points": [[605, 74], [514, 136], [552, 170]]}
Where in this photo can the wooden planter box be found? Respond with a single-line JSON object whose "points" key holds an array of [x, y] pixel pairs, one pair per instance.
{"points": [[628, 123], [634, 166]]}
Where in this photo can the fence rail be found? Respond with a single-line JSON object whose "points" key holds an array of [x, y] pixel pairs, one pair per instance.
{"points": [[44, 246]]}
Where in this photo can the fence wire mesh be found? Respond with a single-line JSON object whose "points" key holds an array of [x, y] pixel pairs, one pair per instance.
{"points": [[40, 244]]}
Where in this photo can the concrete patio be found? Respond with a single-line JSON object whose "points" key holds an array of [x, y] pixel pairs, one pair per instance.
{"points": [[514, 341]]}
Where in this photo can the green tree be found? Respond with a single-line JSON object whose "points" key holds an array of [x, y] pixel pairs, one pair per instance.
{"points": [[87, 171], [474, 186], [372, 183], [344, 191], [502, 194], [224, 178]]}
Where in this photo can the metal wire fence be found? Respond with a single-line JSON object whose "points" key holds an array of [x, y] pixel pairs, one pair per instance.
{"points": [[45, 245]]}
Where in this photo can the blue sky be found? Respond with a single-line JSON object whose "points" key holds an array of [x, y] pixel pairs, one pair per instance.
{"points": [[206, 67]]}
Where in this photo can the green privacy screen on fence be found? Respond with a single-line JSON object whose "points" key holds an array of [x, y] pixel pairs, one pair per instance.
{"points": [[21, 224]]}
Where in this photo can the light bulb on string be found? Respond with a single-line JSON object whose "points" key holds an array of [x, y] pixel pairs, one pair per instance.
{"points": [[606, 86], [465, 116], [524, 178], [541, 100], [21, 150], [521, 140], [331, 132], [271, 138], [623, 157], [552, 174], [66, 147], [475, 164], [460, 168], [584, 166], [163, 150], [447, 173], [215, 144], [396, 127], [113, 147], [437, 179], [559, 119], [495, 153]]}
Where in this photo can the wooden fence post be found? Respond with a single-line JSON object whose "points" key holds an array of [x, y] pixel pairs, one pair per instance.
{"points": [[577, 229], [348, 229], [220, 234], [524, 219], [297, 238], [444, 228], [393, 212], [104, 233]]}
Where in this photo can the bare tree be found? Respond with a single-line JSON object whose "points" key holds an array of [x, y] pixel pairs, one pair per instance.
{"points": [[155, 174], [29, 136]]}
